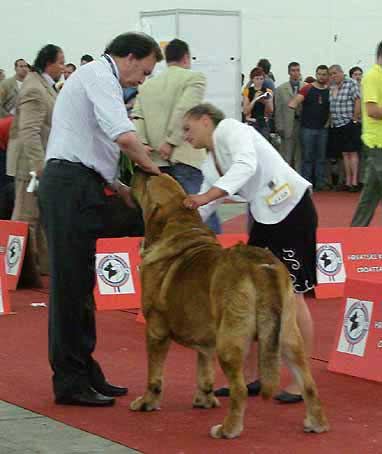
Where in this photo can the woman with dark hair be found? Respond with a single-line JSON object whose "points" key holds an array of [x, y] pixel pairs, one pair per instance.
{"points": [[240, 161], [258, 103]]}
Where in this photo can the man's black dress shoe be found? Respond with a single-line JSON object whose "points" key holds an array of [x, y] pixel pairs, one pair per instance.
{"points": [[88, 398], [110, 390]]}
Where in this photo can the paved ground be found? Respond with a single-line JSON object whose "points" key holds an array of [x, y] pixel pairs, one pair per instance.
{"points": [[25, 432]]}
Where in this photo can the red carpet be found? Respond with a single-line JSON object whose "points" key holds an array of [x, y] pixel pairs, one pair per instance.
{"points": [[354, 406]]}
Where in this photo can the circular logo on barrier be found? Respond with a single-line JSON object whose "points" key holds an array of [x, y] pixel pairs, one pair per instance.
{"points": [[14, 252], [113, 271], [356, 323], [329, 260]]}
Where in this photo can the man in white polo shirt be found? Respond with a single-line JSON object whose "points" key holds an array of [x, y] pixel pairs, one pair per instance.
{"points": [[89, 128]]}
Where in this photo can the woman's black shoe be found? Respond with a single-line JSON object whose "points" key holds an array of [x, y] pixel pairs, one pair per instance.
{"points": [[288, 398], [253, 390]]}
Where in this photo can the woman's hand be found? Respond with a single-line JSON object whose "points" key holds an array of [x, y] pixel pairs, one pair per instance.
{"points": [[193, 202]]}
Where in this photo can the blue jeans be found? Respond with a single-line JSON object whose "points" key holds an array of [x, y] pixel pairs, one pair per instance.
{"points": [[191, 178], [314, 154]]}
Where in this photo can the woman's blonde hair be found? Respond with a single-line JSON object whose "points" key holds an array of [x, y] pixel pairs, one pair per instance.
{"points": [[208, 109]]}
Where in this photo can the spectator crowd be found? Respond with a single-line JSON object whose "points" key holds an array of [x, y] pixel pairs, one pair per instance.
{"points": [[314, 122]]}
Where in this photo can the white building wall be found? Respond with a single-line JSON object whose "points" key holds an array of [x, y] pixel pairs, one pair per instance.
{"points": [[331, 31]]}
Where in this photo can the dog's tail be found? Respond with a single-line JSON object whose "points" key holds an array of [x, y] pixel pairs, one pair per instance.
{"points": [[268, 326]]}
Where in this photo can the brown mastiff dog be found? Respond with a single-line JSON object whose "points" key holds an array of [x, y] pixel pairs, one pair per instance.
{"points": [[215, 300]]}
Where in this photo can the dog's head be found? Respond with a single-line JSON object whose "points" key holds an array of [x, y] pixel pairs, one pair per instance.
{"points": [[161, 199]]}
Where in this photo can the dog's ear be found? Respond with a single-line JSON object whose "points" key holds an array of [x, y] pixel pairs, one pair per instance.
{"points": [[154, 223], [164, 189], [151, 212]]}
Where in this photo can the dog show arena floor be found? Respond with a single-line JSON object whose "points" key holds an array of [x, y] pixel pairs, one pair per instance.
{"points": [[353, 406]]}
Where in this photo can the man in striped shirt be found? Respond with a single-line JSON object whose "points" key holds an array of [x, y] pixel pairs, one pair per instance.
{"points": [[345, 111]]}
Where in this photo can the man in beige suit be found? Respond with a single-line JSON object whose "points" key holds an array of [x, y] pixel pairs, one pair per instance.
{"points": [[9, 88], [158, 116], [288, 120], [26, 151]]}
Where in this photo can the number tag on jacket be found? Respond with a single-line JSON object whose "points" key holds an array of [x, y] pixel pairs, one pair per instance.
{"points": [[279, 195]]}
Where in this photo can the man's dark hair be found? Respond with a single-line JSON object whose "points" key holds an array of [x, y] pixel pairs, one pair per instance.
{"points": [[48, 54], [88, 58], [17, 61], [322, 68], [293, 64], [138, 44], [379, 50], [176, 50], [354, 69], [265, 65], [72, 65]]}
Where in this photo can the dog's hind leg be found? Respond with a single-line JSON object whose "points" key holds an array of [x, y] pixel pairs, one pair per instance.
{"points": [[204, 396], [158, 342], [231, 352], [292, 351]]}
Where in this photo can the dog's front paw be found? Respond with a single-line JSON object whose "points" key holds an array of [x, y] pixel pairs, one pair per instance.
{"points": [[140, 404], [317, 426], [202, 400], [217, 431]]}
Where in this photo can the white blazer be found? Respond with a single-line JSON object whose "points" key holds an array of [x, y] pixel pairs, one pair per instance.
{"points": [[252, 169]]}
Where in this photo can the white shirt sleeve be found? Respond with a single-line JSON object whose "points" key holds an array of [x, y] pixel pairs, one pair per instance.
{"points": [[205, 211], [240, 144], [110, 112]]}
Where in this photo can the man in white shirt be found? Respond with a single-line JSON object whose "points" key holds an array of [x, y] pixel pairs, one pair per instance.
{"points": [[241, 161], [90, 126]]}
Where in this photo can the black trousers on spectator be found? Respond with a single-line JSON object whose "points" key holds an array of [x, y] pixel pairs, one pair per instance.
{"points": [[7, 189], [73, 209]]}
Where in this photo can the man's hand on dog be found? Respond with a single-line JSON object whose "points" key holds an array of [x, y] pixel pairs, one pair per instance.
{"points": [[124, 192]]}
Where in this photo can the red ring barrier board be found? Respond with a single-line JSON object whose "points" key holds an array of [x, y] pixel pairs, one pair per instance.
{"points": [[117, 278], [15, 236], [347, 253], [5, 306], [358, 347]]}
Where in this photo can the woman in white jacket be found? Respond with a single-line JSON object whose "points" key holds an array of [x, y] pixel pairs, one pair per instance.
{"points": [[241, 161]]}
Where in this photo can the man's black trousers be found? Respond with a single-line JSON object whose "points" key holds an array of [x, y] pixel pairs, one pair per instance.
{"points": [[72, 203]]}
